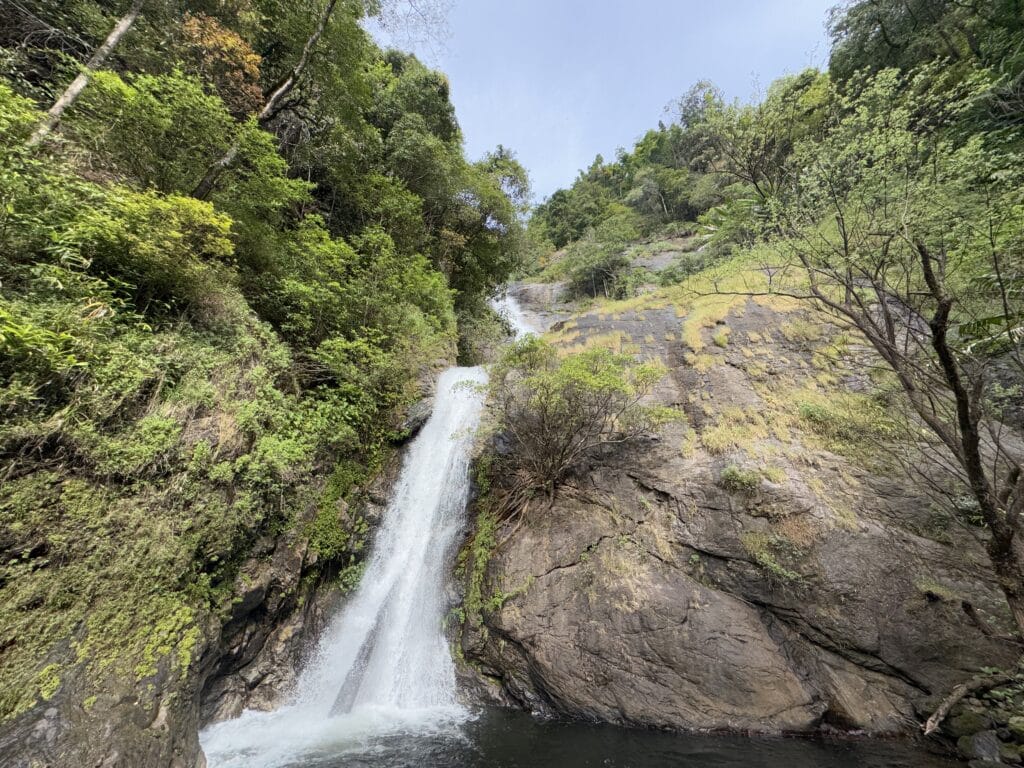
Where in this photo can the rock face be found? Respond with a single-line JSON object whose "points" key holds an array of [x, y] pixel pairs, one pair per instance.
{"points": [[741, 571], [248, 659]]}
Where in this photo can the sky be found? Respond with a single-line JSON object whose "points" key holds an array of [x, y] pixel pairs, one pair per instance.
{"points": [[560, 81]]}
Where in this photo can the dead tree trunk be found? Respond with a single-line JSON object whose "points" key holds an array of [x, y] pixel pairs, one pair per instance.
{"points": [[963, 690], [273, 104], [71, 93]]}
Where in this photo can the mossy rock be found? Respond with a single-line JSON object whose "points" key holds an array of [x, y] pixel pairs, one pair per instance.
{"points": [[1016, 726], [967, 723], [1010, 753], [984, 746]]}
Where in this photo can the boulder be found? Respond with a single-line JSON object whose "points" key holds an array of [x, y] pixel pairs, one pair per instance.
{"points": [[417, 416], [967, 723], [983, 746]]}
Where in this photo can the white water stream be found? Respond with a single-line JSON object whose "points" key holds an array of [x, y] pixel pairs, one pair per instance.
{"points": [[509, 308], [383, 666]]}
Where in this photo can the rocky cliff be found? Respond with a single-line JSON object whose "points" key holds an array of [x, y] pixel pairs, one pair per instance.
{"points": [[763, 565], [106, 701]]}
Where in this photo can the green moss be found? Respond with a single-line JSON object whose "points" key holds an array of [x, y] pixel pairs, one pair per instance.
{"points": [[931, 588], [497, 600], [143, 447], [223, 472], [766, 549], [735, 479], [478, 556], [48, 681], [334, 534], [121, 562], [350, 576], [802, 330], [851, 424], [736, 429]]}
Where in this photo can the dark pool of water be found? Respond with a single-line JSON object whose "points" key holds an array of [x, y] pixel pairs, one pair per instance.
{"points": [[503, 739]]}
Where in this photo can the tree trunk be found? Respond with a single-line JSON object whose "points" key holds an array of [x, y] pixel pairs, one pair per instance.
{"points": [[54, 114], [1009, 573], [272, 105], [1001, 522]]}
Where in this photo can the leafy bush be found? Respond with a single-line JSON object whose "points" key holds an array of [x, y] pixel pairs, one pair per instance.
{"points": [[169, 252], [768, 551], [557, 412], [598, 265], [158, 130]]}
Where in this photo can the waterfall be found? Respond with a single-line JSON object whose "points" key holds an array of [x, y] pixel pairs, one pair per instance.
{"points": [[383, 664], [506, 306]]}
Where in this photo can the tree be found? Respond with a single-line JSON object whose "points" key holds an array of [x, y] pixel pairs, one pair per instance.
{"points": [[915, 241], [597, 263], [223, 57], [569, 213], [281, 97], [274, 102], [99, 56], [755, 143]]}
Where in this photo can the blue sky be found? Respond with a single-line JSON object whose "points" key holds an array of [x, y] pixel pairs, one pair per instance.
{"points": [[560, 81]]}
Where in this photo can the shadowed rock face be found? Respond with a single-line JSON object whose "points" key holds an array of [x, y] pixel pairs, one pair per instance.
{"points": [[827, 592], [248, 659]]}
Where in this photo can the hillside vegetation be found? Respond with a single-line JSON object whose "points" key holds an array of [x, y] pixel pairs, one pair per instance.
{"points": [[214, 307], [822, 529], [887, 193]]}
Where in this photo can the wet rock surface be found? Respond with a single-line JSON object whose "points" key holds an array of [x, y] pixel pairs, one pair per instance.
{"points": [[247, 659]]}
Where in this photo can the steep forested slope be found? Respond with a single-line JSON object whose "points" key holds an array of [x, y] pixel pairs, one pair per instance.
{"points": [[224, 274]]}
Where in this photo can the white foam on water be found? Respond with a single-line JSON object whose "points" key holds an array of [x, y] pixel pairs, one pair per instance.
{"points": [[506, 306]]}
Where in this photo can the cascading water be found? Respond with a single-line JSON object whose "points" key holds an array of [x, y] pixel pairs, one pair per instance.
{"points": [[383, 665], [380, 690], [509, 308]]}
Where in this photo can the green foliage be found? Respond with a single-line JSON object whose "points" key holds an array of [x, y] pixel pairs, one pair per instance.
{"points": [[158, 130], [568, 214], [598, 265], [333, 534], [851, 424], [669, 176], [479, 554], [169, 253], [147, 448], [180, 379], [905, 34], [741, 481], [769, 552], [560, 411]]}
